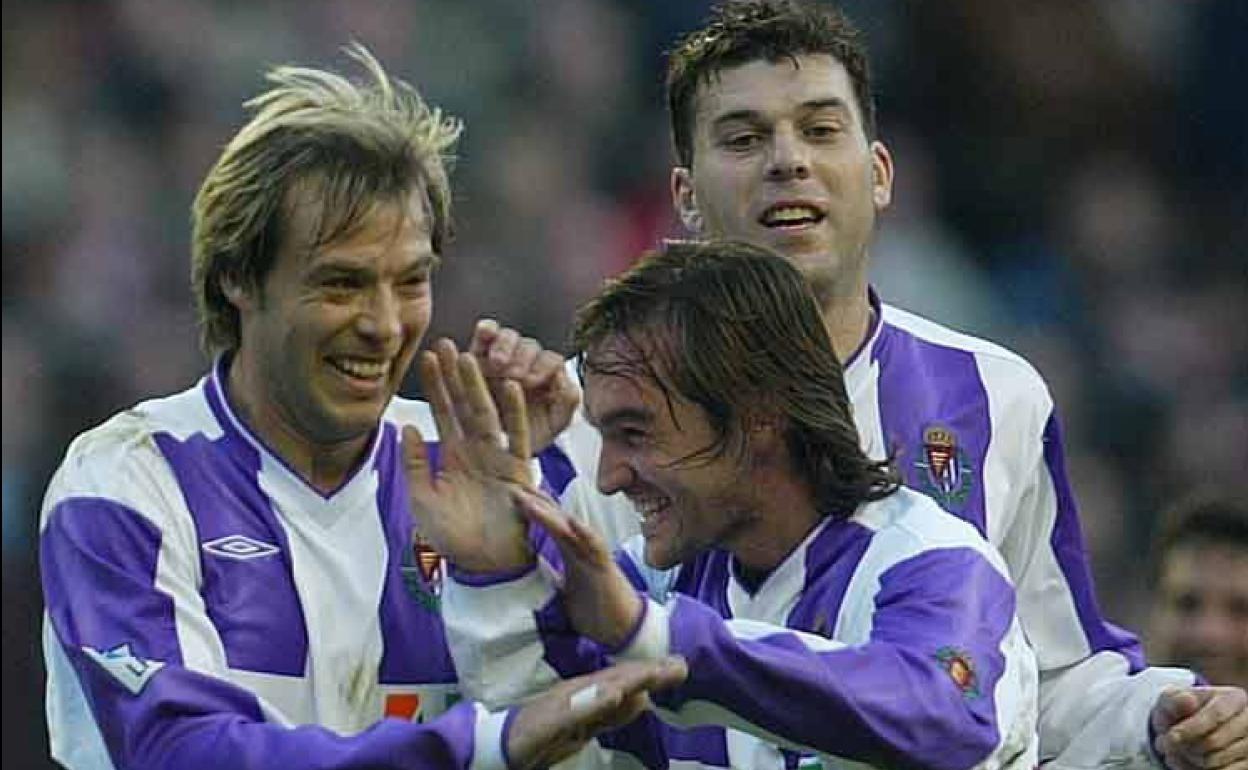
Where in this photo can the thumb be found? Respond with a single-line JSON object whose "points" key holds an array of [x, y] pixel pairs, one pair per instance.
{"points": [[1174, 705], [416, 458]]}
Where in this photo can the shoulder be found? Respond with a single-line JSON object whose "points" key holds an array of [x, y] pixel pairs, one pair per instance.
{"points": [[1006, 375], [908, 523], [121, 461]]}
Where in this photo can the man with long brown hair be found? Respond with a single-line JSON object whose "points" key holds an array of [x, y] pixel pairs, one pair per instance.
{"points": [[824, 611]]}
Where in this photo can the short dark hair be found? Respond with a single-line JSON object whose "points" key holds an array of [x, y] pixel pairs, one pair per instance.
{"points": [[1202, 520], [736, 330], [742, 31]]}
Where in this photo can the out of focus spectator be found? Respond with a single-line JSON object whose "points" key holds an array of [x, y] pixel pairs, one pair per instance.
{"points": [[1200, 599]]}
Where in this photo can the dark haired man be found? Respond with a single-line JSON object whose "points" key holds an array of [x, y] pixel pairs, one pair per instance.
{"points": [[1200, 592]]}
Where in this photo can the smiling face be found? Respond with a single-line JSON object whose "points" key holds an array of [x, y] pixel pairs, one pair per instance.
{"points": [[781, 159], [687, 504], [329, 336]]}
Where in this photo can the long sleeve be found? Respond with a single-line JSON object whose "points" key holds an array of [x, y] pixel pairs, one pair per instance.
{"points": [[110, 632], [934, 672], [1096, 692]]}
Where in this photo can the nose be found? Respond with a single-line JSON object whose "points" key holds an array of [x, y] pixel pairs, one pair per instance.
{"points": [[614, 471], [789, 158], [381, 317]]}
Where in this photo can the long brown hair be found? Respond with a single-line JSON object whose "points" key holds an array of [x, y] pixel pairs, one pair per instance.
{"points": [[736, 330]]}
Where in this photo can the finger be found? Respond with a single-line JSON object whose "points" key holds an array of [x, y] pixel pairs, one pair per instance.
{"points": [[501, 351], [479, 413], [448, 361], [1215, 705], [516, 421], [416, 457], [433, 383], [542, 512], [483, 336], [589, 544], [523, 357], [1233, 752], [544, 371], [1173, 706]]}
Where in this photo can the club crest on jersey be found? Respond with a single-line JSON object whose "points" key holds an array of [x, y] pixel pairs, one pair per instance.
{"points": [[961, 669], [946, 476], [127, 668], [422, 574]]}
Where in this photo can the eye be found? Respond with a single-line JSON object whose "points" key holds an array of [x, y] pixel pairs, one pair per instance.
{"points": [[627, 436], [745, 140], [823, 131], [416, 283]]}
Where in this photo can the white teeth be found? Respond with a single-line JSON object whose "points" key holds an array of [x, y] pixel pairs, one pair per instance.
{"points": [[647, 507], [790, 214], [368, 370]]}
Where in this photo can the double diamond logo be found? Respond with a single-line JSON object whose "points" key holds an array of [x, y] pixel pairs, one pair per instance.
{"points": [[240, 547]]}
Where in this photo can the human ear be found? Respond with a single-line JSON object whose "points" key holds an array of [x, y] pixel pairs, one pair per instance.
{"points": [[881, 175], [685, 201]]}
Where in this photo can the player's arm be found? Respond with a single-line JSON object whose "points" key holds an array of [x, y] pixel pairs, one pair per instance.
{"points": [[944, 657], [113, 633], [1096, 692]]}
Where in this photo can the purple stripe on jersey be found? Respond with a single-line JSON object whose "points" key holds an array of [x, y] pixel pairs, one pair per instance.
{"points": [[252, 601], [557, 470], [1067, 543], [98, 561], [901, 699], [706, 579], [831, 560], [413, 640], [935, 418]]}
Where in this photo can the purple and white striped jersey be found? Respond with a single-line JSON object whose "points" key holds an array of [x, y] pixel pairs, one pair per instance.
{"points": [[887, 639], [206, 608], [973, 426]]}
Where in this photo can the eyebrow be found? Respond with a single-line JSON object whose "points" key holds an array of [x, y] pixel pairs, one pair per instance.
{"points": [[755, 116], [617, 416]]}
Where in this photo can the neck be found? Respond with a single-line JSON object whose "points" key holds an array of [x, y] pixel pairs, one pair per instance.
{"points": [[786, 515], [848, 320], [324, 466]]}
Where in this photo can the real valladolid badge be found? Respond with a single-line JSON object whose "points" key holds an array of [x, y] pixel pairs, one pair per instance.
{"points": [[422, 574], [946, 475]]}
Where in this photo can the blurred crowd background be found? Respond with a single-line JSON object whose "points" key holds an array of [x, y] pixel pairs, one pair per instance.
{"points": [[1072, 181]]}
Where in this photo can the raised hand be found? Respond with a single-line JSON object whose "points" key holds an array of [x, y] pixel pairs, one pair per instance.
{"points": [[1202, 727], [465, 512], [550, 395], [554, 724], [601, 604]]}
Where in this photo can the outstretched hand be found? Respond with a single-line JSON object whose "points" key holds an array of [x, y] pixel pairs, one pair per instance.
{"points": [[601, 604], [550, 395], [465, 512], [1202, 728], [554, 724]]}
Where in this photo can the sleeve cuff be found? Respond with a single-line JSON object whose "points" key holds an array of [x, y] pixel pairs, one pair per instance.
{"points": [[650, 638], [490, 739]]}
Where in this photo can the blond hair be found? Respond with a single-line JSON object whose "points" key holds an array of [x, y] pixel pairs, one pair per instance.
{"points": [[354, 144]]}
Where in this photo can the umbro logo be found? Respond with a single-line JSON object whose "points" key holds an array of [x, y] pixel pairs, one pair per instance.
{"points": [[132, 671], [240, 547]]}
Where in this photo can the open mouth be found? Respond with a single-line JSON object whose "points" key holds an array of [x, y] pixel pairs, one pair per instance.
{"points": [[791, 216], [651, 509], [361, 368]]}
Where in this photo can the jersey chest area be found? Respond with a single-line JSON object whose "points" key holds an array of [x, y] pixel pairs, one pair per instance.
{"points": [[309, 594]]}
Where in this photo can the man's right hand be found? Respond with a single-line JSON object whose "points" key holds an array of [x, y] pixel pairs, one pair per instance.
{"points": [[555, 724], [465, 510]]}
